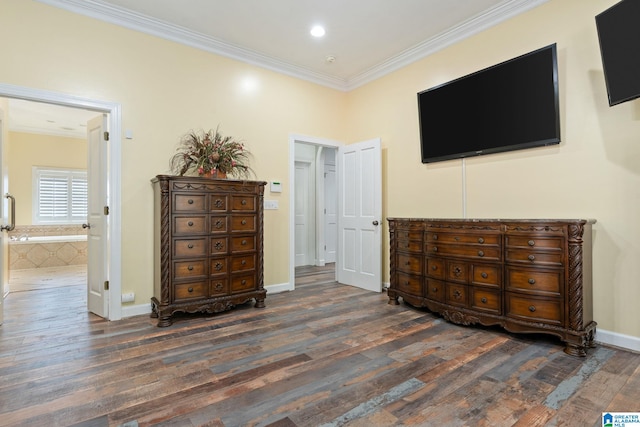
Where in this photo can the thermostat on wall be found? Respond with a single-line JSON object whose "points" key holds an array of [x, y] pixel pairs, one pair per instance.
{"points": [[276, 187]]}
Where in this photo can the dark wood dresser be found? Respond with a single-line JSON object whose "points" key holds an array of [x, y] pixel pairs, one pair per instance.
{"points": [[530, 276], [208, 245]]}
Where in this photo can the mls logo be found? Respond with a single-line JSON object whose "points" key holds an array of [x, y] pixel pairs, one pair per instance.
{"points": [[607, 420]]}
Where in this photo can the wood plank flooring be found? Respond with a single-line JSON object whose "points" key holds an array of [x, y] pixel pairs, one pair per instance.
{"points": [[323, 355]]}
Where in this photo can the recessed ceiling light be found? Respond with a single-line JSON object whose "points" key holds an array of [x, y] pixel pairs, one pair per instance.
{"points": [[317, 31]]}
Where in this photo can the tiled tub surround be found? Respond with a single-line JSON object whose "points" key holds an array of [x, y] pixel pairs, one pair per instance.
{"points": [[47, 246]]}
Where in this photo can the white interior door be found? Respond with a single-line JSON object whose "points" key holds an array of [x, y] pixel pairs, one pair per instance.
{"points": [[360, 215], [302, 213], [4, 185], [331, 207], [97, 295]]}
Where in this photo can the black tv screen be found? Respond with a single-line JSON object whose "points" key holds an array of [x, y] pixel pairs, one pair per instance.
{"points": [[619, 35], [509, 106]]}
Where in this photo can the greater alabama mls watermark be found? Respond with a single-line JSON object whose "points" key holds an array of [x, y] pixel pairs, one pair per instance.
{"points": [[620, 419]]}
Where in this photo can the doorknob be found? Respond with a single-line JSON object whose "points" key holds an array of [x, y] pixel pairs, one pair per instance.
{"points": [[13, 214], [375, 223], [86, 225]]}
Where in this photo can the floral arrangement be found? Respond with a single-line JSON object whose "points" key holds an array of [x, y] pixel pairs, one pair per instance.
{"points": [[211, 154]]}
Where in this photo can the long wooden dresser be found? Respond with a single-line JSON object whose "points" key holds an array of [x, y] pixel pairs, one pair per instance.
{"points": [[208, 250], [530, 276]]}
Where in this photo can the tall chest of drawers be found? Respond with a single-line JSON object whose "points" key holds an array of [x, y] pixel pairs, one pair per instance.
{"points": [[208, 245], [529, 276]]}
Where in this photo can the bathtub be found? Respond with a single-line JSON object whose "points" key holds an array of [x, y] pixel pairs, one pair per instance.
{"points": [[47, 251]]}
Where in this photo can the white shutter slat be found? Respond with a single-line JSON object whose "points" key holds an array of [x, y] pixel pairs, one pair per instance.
{"points": [[62, 196]]}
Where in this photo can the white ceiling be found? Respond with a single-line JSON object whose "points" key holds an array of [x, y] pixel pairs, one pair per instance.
{"points": [[367, 38]]}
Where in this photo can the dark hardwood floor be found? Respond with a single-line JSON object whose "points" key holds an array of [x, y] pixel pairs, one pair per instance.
{"points": [[324, 354]]}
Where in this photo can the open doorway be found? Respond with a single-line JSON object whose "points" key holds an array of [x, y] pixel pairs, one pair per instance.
{"points": [[47, 163], [109, 255], [315, 209]]}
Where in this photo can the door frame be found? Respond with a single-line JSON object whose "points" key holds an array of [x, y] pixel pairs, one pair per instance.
{"points": [[114, 236], [303, 139]]}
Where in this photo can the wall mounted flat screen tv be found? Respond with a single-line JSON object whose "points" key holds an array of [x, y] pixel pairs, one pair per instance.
{"points": [[619, 35], [509, 106]]}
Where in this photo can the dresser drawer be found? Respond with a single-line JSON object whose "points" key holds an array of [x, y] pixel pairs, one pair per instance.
{"points": [[491, 253], [218, 224], [219, 245], [535, 281], [243, 244], [219, 287], [189, 224], [486, 275], [409, 284], [486, 300], [242, 283], [457, 294], [534, 242], [534, 309], [435, 290], [186, 291], [409, 263], [409, 245], [189, 248], [409, 235], [243, 223], [243, 203], [435, 268], [458, 271], [189, 269], [243, 262], [218, 202], [218, 266], [532, 257], [466, 238], [188, 202]]}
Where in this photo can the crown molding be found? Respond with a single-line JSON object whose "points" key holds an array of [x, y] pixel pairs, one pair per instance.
{"points": [[138, 22]]}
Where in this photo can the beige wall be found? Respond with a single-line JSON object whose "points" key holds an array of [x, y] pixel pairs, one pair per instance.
{"points": [[593, 173], [28, 150], [166, 89]]}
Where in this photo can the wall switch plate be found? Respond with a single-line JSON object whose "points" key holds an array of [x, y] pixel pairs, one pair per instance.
{"points": [[276, 187], [270, 204]]}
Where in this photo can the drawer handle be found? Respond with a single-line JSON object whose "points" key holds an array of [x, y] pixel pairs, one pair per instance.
{"points": [[190, 201], [190, 268], [532, 281], [219, 203], [218, 266], [435, 249], [484, 300], [457, 294], [243, 262], [190, 223], [243, 222], [531, 258], [480, 240], [190, 245], [244, 242], [244, 282], [407, 263], [219, 245], [243, 202], [531, 242], [480, 253], [457, 271], [457, 239], [434, 290], [219, 286], [435, 237], [190, 290], [219, 224], [532, 308], [484, 275], [407, 283], [434, 267]]}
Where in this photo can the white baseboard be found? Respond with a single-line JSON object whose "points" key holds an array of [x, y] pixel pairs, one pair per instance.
{"points": [[136, 310], [627, 342], [277, 288]]}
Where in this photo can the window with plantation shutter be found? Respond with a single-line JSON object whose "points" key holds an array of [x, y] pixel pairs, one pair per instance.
{"points": [[60, 196]]}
